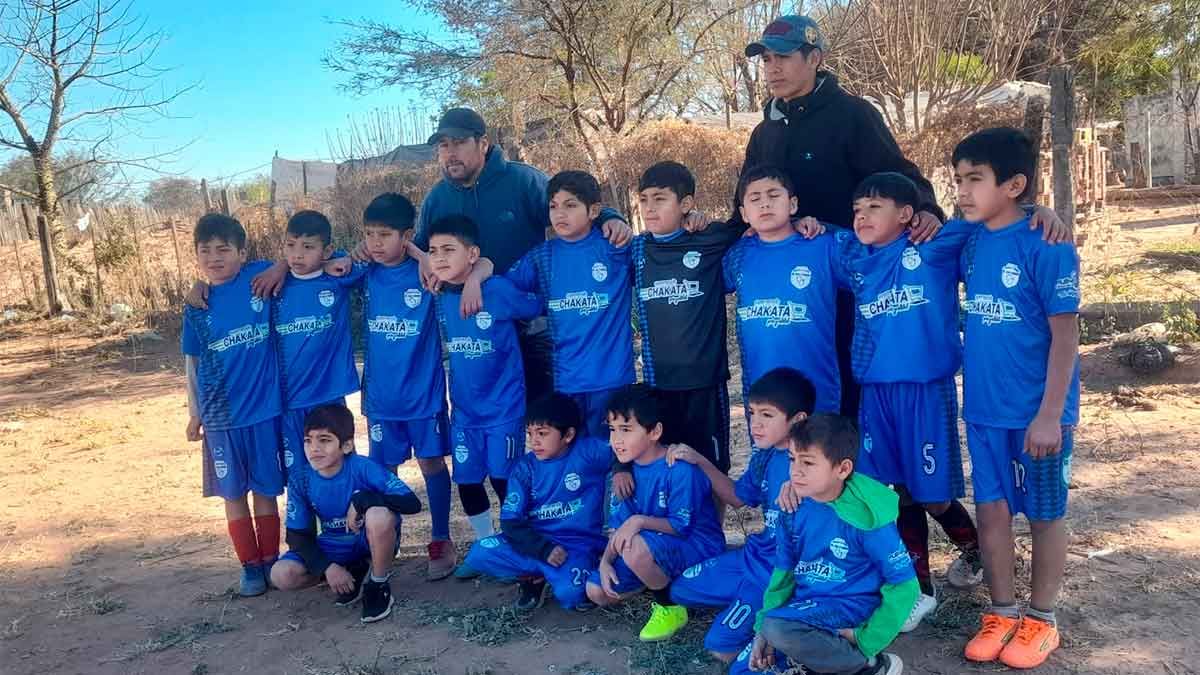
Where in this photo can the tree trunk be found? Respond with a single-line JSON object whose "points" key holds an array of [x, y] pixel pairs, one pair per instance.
{"points": [[49, 231], [1035, 115], [1062, 137]]}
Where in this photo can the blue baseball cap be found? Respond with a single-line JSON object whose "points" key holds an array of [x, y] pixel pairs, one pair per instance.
{"points": [[787, 34]]}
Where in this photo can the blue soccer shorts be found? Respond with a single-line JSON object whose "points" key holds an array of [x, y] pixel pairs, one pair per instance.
{"points": [[394, 442], [731, 581], [243, 459], [910, 437], [292, 424], [495, 557], [344, 549], [593, 405], [672, 554], [1001, 469], [480, 452]]}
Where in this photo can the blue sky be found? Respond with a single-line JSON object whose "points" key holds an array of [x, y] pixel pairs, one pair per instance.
{"points": [[260, 85]]}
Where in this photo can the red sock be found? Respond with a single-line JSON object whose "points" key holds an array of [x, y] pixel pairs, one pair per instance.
{"points": [[914, 532], [245, 544], [268, 536]]}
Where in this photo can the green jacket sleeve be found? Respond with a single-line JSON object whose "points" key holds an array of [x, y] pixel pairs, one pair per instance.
{"points": [[884, 623], [779, 591]]}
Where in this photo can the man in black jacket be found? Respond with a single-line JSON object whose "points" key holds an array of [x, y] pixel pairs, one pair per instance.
{"points": [[828, 141]]}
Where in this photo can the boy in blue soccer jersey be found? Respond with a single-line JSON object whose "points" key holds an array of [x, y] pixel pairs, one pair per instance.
{"points": [[786, 286], [553, 516], [905, 353], [1020, 390], [842, 583], [234, 396], [404, 383], [737, 578], [584, 282], [667, 525], [312, 322], [343, 517], [487, 383]]}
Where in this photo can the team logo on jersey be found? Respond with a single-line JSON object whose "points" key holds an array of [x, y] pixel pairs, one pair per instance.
{"points": [[662, 499], [289, 458], [910, 259], [691, 260], [801, 276], [221, 468], [412, 297], [247, 336], [377, 432], [893, 301], [838, 548], [393, 327], [1068, 286], [512, 500], [291, 509], [991, 310], [571, 480], [583, 302], [819, 571], [305, 325], [599, 271], [256, 303], [674, 291], [775, 312], [770, 518], [684, 515], [325, 297], [1010, 274], [483, 320], [461, 453], [557, 510], [899, 559], [469, 347], [489, 542]]}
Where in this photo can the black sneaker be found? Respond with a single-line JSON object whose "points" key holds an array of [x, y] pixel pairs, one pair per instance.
{"points": [[377, 601], [885, 664], [533, 594], [359, 572]]}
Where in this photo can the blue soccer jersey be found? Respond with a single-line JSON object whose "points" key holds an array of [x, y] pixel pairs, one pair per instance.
{"points": [[237, 369], [586, 286], [487, 379], [680, 493], [312, 496], [838, 568], [312, 320], [906, 298], [403, 378], [759, 486], [562, 498], [1015, 282], [786, 310]]}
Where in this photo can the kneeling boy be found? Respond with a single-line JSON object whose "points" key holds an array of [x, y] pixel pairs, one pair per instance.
{"points": [[843, 583], [666, 526], [737, 578], [356, 504], [552, 518]]}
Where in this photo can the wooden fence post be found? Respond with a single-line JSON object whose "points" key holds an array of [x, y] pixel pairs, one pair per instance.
{"points": [[49, 268], [178, 261], [225, 200], [1062, 137], [204, 195]]}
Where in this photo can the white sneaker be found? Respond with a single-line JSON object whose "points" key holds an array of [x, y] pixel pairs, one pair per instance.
{"points": [[966, 571], [922, 608], [888, 664]]}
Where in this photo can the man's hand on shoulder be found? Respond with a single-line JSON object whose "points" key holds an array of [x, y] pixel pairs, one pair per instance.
{"points": [[695, 221], [197, 295], [1054, 230], [809, 227], [269, 282]]}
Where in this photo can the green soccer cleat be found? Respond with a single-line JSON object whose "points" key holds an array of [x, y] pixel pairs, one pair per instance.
{"points": [[664, 623]]}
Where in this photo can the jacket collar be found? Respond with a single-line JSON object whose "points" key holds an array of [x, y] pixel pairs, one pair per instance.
{"points": [[827, 87], [494, 166]]}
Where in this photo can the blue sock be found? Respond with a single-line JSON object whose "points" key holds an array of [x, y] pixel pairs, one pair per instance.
{"points": [[437, 488]]}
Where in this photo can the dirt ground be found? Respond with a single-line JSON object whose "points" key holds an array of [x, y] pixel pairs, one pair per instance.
{"points": [[110, 561]]}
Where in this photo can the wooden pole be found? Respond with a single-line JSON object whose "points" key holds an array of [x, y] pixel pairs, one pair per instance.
{"points": [[178, 261], [304, 177], [1062, 137], [1035, 114], [96, 263], [204, 194], [49, 266], [271, 208], [21, 272], [224, 200]]}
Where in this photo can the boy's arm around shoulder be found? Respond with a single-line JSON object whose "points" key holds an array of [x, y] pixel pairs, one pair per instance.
{"points": [[722, 485], [382, 488], [505, 301]]}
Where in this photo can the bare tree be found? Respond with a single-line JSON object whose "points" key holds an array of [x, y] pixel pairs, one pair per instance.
{"points": [[73, 73]]}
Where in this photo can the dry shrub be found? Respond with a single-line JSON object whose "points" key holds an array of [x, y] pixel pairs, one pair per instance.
{"points": [[356, 189], [714, 156], [930, 149]]}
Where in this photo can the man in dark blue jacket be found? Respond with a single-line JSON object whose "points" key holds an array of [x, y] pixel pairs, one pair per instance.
{"points": [[508, 201]]}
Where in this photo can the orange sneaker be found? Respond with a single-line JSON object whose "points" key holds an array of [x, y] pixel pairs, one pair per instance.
{"points": [[1032, 644], [992, 637]]}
